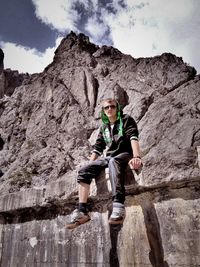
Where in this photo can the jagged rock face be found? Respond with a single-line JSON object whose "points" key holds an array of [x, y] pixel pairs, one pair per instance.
{"points": [[2, 82], [10, 79], [1, 60], [47, 127]]}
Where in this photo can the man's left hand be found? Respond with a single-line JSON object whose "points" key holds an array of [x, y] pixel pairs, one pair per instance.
{"points": [[135, 163]]}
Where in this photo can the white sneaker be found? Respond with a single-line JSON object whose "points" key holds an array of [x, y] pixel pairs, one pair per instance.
{"points": [[118, 214], [77, 218]]}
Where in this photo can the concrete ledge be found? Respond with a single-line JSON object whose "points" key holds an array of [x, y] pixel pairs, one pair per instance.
{"points": [[58, 192], [20, 200]]}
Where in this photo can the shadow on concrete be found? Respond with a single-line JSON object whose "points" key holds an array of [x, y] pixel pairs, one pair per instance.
{"points": [[156, 254], [114, 232]]}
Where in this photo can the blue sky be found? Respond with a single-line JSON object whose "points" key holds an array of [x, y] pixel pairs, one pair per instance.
{"points": [[30, 30]]}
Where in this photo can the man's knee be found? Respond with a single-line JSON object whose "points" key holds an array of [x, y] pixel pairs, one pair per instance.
{"points": [[83, 176], [84, 180], [113, 161], [82, 169]]}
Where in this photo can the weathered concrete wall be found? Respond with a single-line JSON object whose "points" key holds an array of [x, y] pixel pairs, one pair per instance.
{"points": [[162, 228]]}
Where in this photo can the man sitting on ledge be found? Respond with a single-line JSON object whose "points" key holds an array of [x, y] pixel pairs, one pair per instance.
{"points": [[119, 134]]}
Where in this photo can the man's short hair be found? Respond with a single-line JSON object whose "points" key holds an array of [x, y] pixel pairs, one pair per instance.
{"points": [[109, 100]]}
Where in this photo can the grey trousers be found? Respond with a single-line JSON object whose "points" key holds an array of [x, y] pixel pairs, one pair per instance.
{"points": [[116, 165]]}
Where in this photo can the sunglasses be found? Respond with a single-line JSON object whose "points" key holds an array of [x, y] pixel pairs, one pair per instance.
{"points": [[109, 106]]}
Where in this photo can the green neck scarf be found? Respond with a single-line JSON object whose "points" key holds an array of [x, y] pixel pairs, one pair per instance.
{"points": [[106, 121]]}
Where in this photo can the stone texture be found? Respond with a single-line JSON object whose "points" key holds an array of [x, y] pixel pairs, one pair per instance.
{"points": [[180, 231], [1, 60], [10, 79], [13, 79], [47, 127]]}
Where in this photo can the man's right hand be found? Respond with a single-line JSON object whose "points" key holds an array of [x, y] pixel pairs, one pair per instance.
{"points": [[93, 157]]}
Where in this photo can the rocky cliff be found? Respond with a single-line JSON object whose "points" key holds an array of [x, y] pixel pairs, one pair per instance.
{"points": [[10, 79], [47, 127], [1, 60]]}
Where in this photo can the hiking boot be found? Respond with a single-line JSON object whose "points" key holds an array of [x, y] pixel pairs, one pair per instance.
{"points": [[77, 218], [118, 214]]}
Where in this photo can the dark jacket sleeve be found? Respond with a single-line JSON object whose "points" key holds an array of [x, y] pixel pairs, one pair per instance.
{"points": [[130, 128], [100, 144]]}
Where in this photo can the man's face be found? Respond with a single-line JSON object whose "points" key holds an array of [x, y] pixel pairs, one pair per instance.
{"points": [[110, 109]]}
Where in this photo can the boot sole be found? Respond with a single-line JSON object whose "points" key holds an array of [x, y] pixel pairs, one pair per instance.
{"points": [[116, 222], [77, 223]]}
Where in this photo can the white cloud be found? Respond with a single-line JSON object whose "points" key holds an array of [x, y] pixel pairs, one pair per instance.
{"points": [[25, 59], [151, 28], [141, 29], [96, 29], [89, 5], [146, 24], [58, 14]]}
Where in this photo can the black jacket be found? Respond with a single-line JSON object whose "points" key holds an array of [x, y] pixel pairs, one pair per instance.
{"points": [[115, 143]]}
